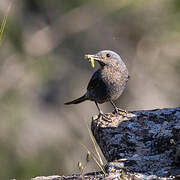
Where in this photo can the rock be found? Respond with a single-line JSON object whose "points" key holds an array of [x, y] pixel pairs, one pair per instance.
{"points": [[55, 177], [145, 144]]}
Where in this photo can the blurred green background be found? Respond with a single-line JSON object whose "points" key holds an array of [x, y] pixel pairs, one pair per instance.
{"points": [[42, 66]]}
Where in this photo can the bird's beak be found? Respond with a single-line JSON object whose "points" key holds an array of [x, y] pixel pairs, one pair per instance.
{"points": [[91, 56]]}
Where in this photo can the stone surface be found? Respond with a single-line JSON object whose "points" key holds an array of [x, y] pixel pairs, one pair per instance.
{"points": [[89, 176], [143, 143]]}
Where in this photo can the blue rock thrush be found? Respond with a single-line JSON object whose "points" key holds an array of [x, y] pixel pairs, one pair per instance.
{"points": [[108, 82]]}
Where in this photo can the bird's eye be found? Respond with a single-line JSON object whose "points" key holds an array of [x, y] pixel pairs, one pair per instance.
{"points": [[108, 55]]}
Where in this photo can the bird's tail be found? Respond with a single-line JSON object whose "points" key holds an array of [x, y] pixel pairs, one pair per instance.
{"points": [[77, 101]]}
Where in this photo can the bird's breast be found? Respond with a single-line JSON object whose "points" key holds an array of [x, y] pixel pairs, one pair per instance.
{"points": [[115, 80]]}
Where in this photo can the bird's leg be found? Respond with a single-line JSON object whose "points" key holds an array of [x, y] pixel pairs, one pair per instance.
{"points": [[118, 110], [100, 111], [101, 114]]}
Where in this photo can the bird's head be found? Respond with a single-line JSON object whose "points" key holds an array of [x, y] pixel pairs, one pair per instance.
{"points": [[105, 57]]}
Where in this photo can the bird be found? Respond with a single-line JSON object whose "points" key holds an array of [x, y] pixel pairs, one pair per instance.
{"points": [[108, 82]]}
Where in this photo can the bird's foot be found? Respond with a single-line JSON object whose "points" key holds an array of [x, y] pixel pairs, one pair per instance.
{"points": [[104, 117], [121, 112]]}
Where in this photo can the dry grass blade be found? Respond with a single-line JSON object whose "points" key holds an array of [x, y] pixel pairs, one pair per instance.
{"points": [[95, 147], [94, 158], [3, 24]]}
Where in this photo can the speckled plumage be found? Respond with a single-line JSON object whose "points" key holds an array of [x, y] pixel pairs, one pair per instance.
{"points": [[108, 82]]}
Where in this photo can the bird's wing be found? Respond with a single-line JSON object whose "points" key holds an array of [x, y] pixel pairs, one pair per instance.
{"points": [[94, 82]]}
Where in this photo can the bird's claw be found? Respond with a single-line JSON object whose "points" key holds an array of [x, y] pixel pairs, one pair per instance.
{"points": [[105, 117], [120, 111]]}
